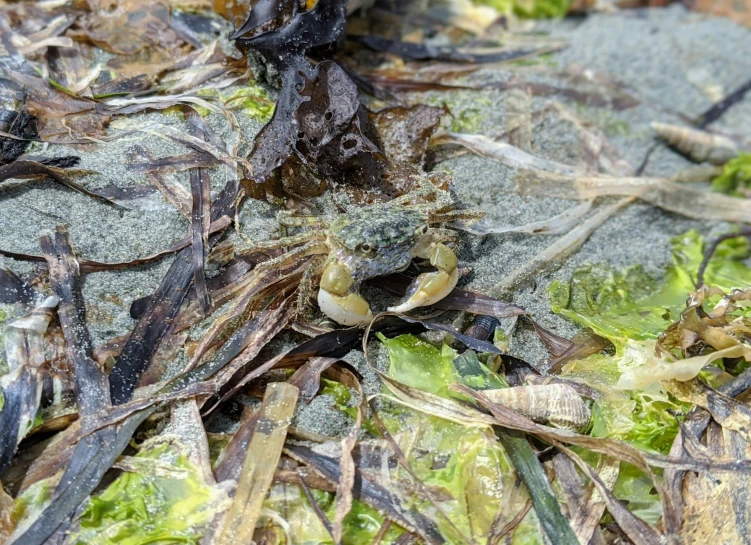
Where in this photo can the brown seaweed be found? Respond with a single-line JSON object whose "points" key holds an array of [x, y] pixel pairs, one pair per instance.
{"points": [[92, 386], [95, 453], [162, 308], [284, 34], [19, 129], [13, 289], [718, 109], [200, 188], [34, 169], [89, 265]]}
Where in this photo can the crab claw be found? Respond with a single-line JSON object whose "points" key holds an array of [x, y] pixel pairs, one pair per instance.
{"points": [[335, 299], [350, 309], [429, 288]]}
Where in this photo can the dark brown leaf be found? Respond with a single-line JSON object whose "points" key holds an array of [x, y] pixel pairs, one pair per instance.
{"points": [[162, 308], [200, 188]]}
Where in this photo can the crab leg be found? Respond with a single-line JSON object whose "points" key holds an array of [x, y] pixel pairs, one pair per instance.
{"points": [[429, 288], [337, 301], [307, 283], [287, 259], [279, 243], [289, 219]]}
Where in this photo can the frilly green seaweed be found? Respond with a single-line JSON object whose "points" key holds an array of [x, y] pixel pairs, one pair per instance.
{"points": [[631, 309], [468, 465], [466, 469]]}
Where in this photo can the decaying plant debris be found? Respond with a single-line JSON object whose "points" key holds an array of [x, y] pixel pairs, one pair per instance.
{"points": [[625, 433]]}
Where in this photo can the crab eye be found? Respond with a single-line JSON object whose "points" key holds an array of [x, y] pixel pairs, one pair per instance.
{"points": [[364, 248]]}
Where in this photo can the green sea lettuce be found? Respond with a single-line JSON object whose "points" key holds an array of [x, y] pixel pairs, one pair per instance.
{"points": [[529, 9], [168, 500], [735, 178], [466, 465], [631, 304]]}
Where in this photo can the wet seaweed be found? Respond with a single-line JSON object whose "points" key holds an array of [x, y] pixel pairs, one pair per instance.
{"points": [[162, 307], [321, 136], [22, 386]]}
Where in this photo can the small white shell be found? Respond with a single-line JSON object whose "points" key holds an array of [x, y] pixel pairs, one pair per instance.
{"points": [[699, 146], [557, 404]]}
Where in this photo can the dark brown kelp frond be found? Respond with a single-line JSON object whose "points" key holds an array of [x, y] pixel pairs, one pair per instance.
{"points": [[417, 51], [96, 453], [231, 460], [13, 289], [32, 169], [716, 111], [293, 33], [89, 265], [94, 457], [20, 128], [307, 378], [174, 163]]}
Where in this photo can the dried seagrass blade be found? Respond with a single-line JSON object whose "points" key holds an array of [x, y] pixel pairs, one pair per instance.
{"points": [[261, 460]]}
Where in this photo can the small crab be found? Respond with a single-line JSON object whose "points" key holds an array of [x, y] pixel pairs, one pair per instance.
{"points": [[368, 242]]}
